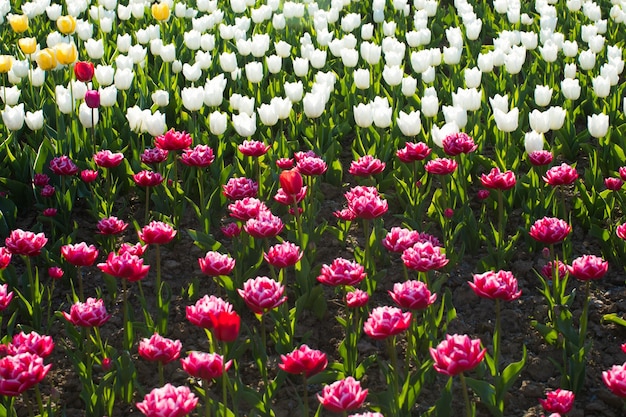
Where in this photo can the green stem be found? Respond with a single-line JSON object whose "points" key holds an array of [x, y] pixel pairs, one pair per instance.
{"points": [[80, 283], [468, 406], [224, 381], [500, 243], [147, 212], [496, 340], [207, 402], [585, 316], [264, 352]]}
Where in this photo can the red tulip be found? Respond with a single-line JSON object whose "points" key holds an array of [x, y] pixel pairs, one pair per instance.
{"points": [[291, 182], [84, 71], [225, 325]]}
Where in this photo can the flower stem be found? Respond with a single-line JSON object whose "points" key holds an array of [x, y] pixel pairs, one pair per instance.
{"points": [[306, 395], [468, 406]]}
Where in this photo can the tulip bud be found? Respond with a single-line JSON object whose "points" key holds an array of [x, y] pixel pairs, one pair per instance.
{"points": [[84, 71], [291, 181], [19, 23], [92, 99], [161, 11], [28, 45], [66, 24]]}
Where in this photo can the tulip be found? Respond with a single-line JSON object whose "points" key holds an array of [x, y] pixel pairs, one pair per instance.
{"points": [[168, 401], [342, 396], [217, 123], [294, 91], [66, 53], [342, 272], [363, 115], [543, 95], [28, 45], [598, 125], [457, 354], [601, 86], [313, 104], [13, 117], [361, 79], [6, 62], [34, 120], [160, 11], [409, 124], [384, 322], [66, 24], [19, 23]]}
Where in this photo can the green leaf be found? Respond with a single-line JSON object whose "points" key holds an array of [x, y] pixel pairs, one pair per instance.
{"points": [[614, 318], [511, 373], [487, 394]]}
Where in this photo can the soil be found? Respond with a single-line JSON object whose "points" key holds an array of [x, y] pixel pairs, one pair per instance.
{"points": [[475, 317]]}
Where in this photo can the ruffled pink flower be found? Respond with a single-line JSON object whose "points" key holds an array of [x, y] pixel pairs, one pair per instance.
{"points": [[240, 188], [366, 165], [47, 191], [200, 313], [386, 321], [5, 296], [246, 208], [88, 175], [588, 267], [19, 373], [615, 380], [80, 254], [286, 199], [206, 366], [137, 249], [215, 264], [55, 272], [111, 226], [63, 165], [500, 285], [550, 230], [264, 225], [423, 257], [458, 143], [108, 159], [561, 175], [342, 272], [5, 257], [548, 270], [304, 360], [125, 266], [498, 180], [342, 395], [399, 239], [159, 349], [365, 202], [25, 243], [231, 230], [173, 140], [345, 214], [357, 298], [33, 342], [559, 401], [283, 255], [413, 152], [168, 401], [253, 148], [153, 156], [91, 313], [620, 231], [441, 166], [262, 294], [311, 165], [147, 178], [412, 295], [201, 156], [539, 158], [40, 180], [613, 184], [456, 354], [284, 163], [157, 233]]}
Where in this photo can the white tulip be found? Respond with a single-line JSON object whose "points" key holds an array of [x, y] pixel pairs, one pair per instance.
{"points": [[455, 114], [610, 72], [556, 115], [283, 49], [470, 99], [363, 115], [570, 70], [177, 66], [409, 124], [63, 99], [549, 51], [108, 96], [587, 60], [282, 106], [428, 76], [192, 73], [123, 78], [161, 98], [317, 58], [393, 75], [34, 120], [10, 95], [168, 53], [207, 42], [485, 62], [570, 48], [217, 123], [254, 72], [382, 112], [85, 116], [472, 77], [13, 117], [104, 74], [539, 121], [193, 98], [570, 88], [409, 86], [507, 122], [155, 123], [370, 52], [514, 61], [529, 40], [499, 102], [533, 141], [278, 21], [95, 48], [267, 114], [367, 31], [598, 125], [430, 102], [361, 78], [192, 39], [204, 59], [301, 66], [452, 55], [228, 61], [349, 57], [19, 69], [543, 95], [137, 53], [294, 91], [601, 86], [314, 104], [244, 104], [244, 124], [124, 62]]}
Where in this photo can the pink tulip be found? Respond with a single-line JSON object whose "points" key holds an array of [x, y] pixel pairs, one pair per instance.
{"points": [[283, 255], [384, 322], [126, 266], [246, 208], [304, 360], [20, 372], [399, 239], [441, 166], [561, 175], [253, 148], [539, 158], [559, 401], [200, 313], [456, 354], [108, 159], [262, 294], [613, 184], [206, 366], [366, 165], [215, 264], [153, 156], [240, 188], [413, 152], [33, 343], [498, 180], [173, 140], [80, 254], [342, 272], [458, 143], [147, 178], [201, 156], [157, 233], [264, 225], [588, 267], [63, 165], [412, 295], [500, 285], [88, 175], [5, 257], [550, 230], [423, 257], [311, 165], [91, 313], [343, 395], [25, 243], [357, 298], [111, 226], [365, 202], [168, 401], [5, 296], [159, 349]]}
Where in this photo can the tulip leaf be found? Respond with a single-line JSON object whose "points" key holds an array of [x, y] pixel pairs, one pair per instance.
{"points": [[614, 318]]}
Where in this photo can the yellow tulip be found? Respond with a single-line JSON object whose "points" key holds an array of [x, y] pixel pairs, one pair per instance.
{"points": [[28, 45], [6, 62], [66, 24], [161, 11], [18, 22], [46, 59], [66, 53]]}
